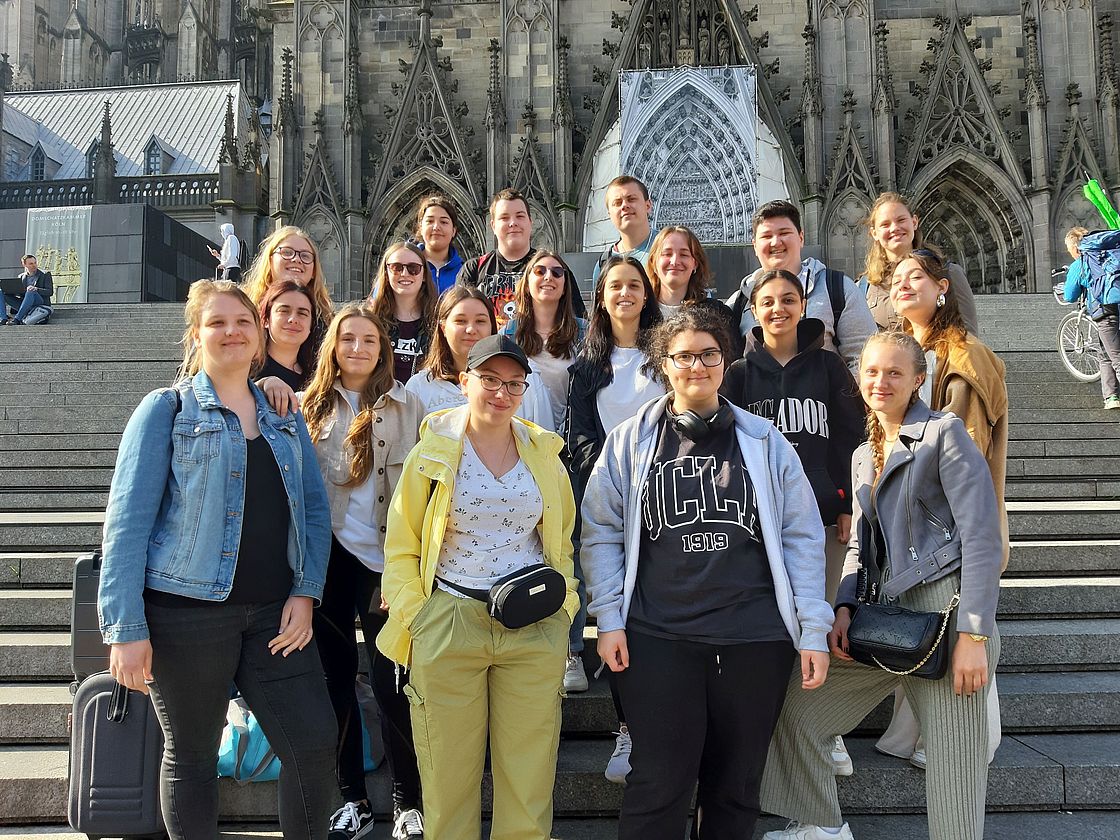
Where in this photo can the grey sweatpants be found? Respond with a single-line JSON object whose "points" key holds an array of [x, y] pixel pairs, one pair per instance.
{"points": [[799, 783]]}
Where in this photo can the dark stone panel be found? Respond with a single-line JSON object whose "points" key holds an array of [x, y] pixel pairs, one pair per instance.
{"points": [[906, 9]]}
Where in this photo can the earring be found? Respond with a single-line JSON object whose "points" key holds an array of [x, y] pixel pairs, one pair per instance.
{"points": [[940, 300]]}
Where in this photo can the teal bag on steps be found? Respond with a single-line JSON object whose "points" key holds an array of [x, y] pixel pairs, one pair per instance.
{"points": [[244, 753]]}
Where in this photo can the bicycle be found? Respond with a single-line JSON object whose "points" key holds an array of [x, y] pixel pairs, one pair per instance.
{"points": [[1078, 342]]}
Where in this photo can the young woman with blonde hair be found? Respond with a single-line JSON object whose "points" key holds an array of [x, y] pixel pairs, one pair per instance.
{"points": [[363, 423], [893, 228], [289, 253], [215, 551], [925, 530]]}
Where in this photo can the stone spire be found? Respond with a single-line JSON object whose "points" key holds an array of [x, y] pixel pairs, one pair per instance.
{"points": [[563, 110], [352, 121], [495, 104], [883, 92], [1108, 98], [227, 151], [811, 98], [1036, 100], [1035, 84], [106, 162], [286, 107]]}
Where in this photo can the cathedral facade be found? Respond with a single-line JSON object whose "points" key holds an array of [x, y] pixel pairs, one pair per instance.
{"points": [[989, 116]]}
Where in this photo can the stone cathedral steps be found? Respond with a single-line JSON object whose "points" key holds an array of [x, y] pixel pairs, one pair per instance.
{"points": [[60, 420]]}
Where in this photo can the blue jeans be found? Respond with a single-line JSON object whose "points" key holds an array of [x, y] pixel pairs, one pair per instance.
{"points": [[23, 304], [197, 651]]}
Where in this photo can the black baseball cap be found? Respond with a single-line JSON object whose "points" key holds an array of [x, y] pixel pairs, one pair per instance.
{"points": [[497, 345]]}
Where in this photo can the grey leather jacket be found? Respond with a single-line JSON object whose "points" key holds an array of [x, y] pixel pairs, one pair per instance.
{"points": [[937, 509]]}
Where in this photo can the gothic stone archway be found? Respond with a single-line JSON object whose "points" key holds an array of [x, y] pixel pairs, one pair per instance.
{"points": [[978, 222]]}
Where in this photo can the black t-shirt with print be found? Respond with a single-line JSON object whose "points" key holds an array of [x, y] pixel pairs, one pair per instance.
{"points": [[406, 347], [497, 278], [703, 574]]}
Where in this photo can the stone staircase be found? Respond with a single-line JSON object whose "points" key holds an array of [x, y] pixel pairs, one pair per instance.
{"points": [[66, 390]]}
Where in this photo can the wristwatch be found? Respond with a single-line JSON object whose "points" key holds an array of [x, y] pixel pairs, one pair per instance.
{"points": [[976, 637]]}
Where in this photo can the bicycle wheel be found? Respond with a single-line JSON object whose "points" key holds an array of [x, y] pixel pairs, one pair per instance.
{"points": [[1079, 347]]}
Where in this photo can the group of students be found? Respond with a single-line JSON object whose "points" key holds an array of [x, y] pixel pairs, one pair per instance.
{"points": [[695, 472]]}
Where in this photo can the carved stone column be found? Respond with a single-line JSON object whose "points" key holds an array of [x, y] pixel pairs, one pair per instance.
{"points": [[882, 112], [497, 141], [283, 168], [812, 126], [1108, 100], [1036, 108]]}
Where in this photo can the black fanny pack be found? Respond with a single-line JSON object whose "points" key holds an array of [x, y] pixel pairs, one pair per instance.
{"points": [[523, 597]]}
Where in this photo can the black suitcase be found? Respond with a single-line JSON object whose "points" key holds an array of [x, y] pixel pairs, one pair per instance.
{"points": [[115, 750], [89, 655]]}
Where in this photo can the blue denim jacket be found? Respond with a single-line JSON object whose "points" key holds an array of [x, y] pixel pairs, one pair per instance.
{"points": [[173, 522]]}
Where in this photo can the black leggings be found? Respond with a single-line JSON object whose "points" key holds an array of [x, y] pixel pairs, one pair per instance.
{"points": [[698, 713], [350, 591]]}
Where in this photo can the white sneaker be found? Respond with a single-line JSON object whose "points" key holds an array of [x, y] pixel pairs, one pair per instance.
{"points": [[575, 678], [841, 761], [618, 768], [918, 759], [408, 825], [800, 831]]}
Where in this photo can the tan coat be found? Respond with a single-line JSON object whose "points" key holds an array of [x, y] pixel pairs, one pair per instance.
{"points": [[879, 302], [396, 428], [971, 383]]}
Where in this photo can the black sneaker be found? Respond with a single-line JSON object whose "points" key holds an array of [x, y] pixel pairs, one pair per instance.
{"points": [[408, 825], [351, 821]]}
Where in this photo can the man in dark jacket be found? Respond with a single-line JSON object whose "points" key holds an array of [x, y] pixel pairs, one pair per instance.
{"points": [[38, 289]]}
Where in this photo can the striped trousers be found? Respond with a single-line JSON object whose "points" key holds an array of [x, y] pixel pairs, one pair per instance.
{"points": [[799, 783]]}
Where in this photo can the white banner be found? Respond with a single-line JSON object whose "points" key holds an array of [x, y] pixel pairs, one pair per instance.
{"points": [[59, 239]]}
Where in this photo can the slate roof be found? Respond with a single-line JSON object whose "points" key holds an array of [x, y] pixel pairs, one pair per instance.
{"points": [[188, 118]]}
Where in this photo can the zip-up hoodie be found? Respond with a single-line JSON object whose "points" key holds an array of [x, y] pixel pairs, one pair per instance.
{"points": [[813, 401], [791, 529]]}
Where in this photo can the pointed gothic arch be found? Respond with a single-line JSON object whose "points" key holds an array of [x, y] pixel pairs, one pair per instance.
{"points": [[974, 211], [654, 37], [845, 231], [394, 216], [530, 175]]}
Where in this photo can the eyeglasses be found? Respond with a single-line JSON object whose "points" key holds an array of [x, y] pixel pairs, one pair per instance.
{"points": [[289, 254], [413, 269], [515, 387], [684, 361], [556, 271]]}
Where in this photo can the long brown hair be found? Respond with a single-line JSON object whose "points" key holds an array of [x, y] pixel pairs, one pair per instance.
{"points": [[440, 361], [903, 341], [305, 356], [200, 294], [561, 342], [701, 278], [320, 398], [383, 299], [258, 278], [880, 267], [947, 327]]}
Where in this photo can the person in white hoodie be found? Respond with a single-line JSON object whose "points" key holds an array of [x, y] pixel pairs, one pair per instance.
{"points": [[229, 258], [703, 553], [830, 295]]}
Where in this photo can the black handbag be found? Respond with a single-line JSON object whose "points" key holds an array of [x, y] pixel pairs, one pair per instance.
{"points": [[523, 597], [902, 642]]}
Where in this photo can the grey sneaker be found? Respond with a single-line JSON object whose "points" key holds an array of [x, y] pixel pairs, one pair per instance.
{"points": [[408, 825], [918, 759], [841, 761], [575, 678], [618, 768], [1112, 402]]}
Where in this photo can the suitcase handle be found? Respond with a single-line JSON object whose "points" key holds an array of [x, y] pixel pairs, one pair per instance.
{"points": [[118, 704]]}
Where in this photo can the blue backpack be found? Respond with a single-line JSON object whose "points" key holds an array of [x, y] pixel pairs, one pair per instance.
{"points": [[1100, 255]]}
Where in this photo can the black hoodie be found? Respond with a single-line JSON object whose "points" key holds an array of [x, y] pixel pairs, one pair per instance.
{"points": [[813, 401]]}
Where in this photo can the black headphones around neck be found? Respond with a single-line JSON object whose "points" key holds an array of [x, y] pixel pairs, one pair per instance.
{"points": [[691, 425]]}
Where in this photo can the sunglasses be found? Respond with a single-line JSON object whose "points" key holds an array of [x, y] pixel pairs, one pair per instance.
{"points": [[413, 269], [543, 270], [928, 254]]}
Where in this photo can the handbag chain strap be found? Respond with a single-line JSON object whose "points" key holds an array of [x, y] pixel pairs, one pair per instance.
{"points": [[945, 613]]}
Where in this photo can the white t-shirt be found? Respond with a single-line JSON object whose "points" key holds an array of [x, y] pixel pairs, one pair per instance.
{"points": [[492, 525], [437, 394], [359, 532], [553, 372], [631, 388]]}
